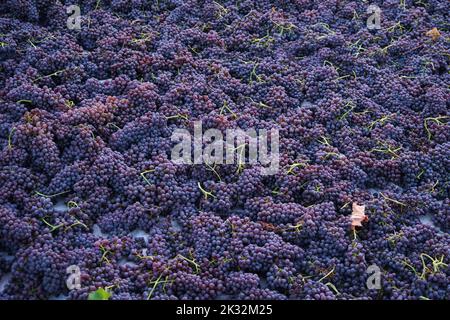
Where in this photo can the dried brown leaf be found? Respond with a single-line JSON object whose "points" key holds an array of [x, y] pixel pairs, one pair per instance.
{"points": [[358, 215], [268, 226], [434, 34]]}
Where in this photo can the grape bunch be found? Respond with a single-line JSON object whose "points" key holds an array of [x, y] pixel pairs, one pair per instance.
{"points": [[87, 179]]}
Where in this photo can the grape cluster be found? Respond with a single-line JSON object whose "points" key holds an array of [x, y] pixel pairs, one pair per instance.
{"points": [[87, 179]]}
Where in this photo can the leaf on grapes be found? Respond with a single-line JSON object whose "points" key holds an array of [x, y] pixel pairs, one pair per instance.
{"points": [[99, 294], [268, 226], [358, 215], [434, 34]]}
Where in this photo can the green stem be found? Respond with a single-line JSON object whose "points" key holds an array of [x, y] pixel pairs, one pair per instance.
{"points": [[49, 75], [52, 195], [327, 275], [214, 171], [206, 193], [143, 173], [332, 286], [196, 265], [24, 101], [10, 138], [226, 107], [437, 120], [52, 227], [392, 200]]}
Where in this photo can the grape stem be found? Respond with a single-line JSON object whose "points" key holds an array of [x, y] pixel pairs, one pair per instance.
{"points": [[206, 193], [52, 227], [213, 169], [192, 261], [392, 200], [10, 138], [104, 254], [143, 173], [51, 195], [226, 107], [327, 275], [295, 165], [436, 120]]}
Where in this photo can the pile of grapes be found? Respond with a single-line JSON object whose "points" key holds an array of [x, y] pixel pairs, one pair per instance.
{"points": [[92, 206]]}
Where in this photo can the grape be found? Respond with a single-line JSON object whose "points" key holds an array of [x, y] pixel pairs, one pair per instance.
{"points": [[87, 178]]}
